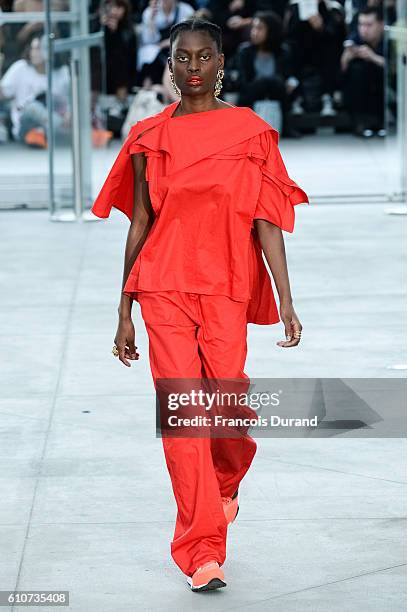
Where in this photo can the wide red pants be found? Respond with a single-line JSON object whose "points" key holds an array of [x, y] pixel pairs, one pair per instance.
{"points": [[193, 336]]}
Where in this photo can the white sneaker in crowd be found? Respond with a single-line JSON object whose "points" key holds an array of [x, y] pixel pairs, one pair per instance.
{"points": [[296, 107], [327, 106]]}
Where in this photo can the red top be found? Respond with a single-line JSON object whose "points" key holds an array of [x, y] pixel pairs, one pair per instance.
{"points": [[209, 175]]}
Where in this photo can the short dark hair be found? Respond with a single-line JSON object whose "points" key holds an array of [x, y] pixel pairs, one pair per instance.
{"points": [[195, 24], [372, 10]]}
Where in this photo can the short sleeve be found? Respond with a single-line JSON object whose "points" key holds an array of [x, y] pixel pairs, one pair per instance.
{"points": [[278, 192], [118, 189]]}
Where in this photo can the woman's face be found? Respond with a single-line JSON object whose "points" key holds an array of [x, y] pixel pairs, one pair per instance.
{"points": [[258, 32], [116, 12], [195, 54], [36, 56]]}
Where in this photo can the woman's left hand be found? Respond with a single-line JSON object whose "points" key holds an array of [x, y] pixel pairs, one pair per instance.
{"points": [[292, 326]]}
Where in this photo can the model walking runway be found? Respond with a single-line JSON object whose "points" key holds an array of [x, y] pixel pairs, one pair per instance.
{"points": [[207, 193]]}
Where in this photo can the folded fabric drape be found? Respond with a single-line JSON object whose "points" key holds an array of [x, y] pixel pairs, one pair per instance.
{"points": [[210, 175]]}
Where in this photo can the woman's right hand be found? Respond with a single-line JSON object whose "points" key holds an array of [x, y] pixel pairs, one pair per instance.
{"points": [[124, 340]]}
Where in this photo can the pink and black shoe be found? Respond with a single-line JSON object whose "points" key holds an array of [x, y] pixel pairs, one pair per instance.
{"points": [[207, 577]]}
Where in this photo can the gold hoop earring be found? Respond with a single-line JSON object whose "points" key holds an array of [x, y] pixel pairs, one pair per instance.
{"points": [[218, 84], [177, 91]]}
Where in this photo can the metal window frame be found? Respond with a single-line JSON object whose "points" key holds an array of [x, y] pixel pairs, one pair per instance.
{"points": [[78, 44]]}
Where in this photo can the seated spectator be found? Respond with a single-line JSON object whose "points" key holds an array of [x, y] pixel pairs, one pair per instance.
{"points": [[120, 64], [153, 50], [25, 84], [315, 32], [235, 18], [114, 16], [389, 12], [264, 65], [362, 63]]}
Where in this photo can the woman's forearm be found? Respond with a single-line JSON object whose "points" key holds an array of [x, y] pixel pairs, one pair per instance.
{"points": [[136, 237], [272, 244]]}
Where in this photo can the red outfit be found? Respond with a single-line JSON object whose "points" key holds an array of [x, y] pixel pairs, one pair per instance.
{"points": [[192, 336], [210, 174], [200, 278]]}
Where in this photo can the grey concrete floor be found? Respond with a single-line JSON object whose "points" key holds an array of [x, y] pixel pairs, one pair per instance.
{"points": [[86, 502]]}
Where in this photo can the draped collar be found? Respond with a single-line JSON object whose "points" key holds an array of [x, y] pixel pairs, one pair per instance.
{"points": [[189, 138]]}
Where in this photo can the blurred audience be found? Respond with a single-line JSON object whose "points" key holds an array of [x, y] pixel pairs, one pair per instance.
{"points": [[114, 17], [25, 84], [265, 65], [283, 58], [315, 32]]}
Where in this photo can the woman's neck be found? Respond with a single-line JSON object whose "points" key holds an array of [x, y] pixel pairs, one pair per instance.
{"points": [[39, 68]]}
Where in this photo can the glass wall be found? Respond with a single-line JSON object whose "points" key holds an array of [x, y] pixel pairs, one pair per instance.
{"points": [[23, 85], [23, 105], [48, 123], [52, 128], [396, 104]]}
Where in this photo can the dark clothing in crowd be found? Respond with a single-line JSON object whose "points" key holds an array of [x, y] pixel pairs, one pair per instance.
{"points": [[120, 59], [220, 14], [317, 52], [263, 77], [232, 38], [304, 74], [246, 58], [363, 89], [363, 93]]}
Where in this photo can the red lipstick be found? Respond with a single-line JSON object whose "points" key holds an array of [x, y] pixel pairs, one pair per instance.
{"points": [[195, 80]]}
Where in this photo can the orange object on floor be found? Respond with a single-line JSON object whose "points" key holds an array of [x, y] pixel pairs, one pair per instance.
{"points": [[192, 336], [36, 138], [100, 138]]}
